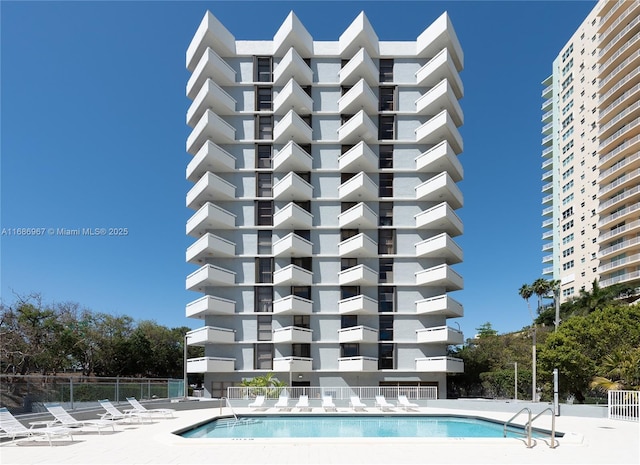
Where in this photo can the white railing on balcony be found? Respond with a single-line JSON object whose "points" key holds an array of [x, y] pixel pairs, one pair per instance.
{"points": [[619, 230], [622, 82], [338, 393], [619, 198], [292, 304], [619, 263], [359, 215], [633, 275], [210, 305], [619, 181], [625, 145], [620, 213], [619, 100]]}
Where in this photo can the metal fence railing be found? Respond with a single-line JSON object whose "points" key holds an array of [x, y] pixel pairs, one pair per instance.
{"points": [[337, 393], [22, 393], [624, 405]]}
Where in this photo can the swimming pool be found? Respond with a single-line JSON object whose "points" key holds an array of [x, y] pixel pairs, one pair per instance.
{"points": [[331, 426]]}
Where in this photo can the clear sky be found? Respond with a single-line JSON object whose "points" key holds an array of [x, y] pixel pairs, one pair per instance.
{"points": [[93, 136]]}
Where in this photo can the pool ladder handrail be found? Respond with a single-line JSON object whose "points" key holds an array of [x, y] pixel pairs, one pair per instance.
{"points": [[228, 404], [527, 426], [553, 425]]}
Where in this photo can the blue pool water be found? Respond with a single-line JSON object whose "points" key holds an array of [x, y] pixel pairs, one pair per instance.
{"points": [[348, 426]]}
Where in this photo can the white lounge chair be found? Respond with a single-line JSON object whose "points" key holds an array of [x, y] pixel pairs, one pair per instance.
{"points": [[303, 403], [257, 403], [12, 428], [64, 418], [114, 414], [405, 404], [139, 408], [327, 403], [382, 403], [283, 403], [356, 404]]}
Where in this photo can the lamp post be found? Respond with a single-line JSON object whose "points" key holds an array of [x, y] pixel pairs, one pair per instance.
{"points": [[184, 366], [515, 388]]}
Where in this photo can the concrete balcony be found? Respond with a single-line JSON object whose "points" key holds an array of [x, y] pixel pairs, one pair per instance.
{"points": [[211, 34], [359, 187], [440, 246], [358, 334], [210, 245], [210, 127], [359, 216], [440, 127], [210, 66], [292, 245], [292, 97], [441, 217], [358, 275], [292, 66], [440, 158], [548, 246], [210, 275], [440, 276], [210, 305], [439, 335], [210, 157], [357, 364], [358, 158], [292, 335], [359, 34], [292, 275], [209, 218], [292, 364], [439, 35], [440, 365], [547, 259], [440, 305], [438, 98], [292, 128], [292, 305], [211, 365], [358, 305], [357, 128], [359, 97], [361, 66], [292, 33], [211, 97], [292, 187], [440, 67], [359, 245], [210, 187], [292, 157], [210, 335], [292, 216], [440, 188]]}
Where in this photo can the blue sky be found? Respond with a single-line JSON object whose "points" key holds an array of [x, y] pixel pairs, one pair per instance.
{"points": [[93, 136]]}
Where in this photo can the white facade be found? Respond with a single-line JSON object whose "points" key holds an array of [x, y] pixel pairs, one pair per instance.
{"points": [[324, 203], [591, 209]]}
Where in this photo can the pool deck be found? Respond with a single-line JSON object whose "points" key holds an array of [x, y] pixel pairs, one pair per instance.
{"points": [[589, 441]]}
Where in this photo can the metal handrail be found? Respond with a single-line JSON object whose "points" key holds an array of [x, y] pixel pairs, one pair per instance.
{"points": [[527, 426], [553, 425], [228, 404]]}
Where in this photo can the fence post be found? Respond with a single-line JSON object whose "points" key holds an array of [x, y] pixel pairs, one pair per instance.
{"points": [[71, 392], [118, 389]]}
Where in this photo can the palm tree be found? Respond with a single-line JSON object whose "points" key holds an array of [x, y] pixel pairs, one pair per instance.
{"points": [[623, 370], [541, 287], [526, 291]]}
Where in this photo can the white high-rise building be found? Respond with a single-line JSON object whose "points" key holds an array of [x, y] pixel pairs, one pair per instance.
{"points": [[591, 191], [325, 188]]}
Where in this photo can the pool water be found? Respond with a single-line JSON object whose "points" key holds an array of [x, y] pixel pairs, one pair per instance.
{"points": [[348, 426]]}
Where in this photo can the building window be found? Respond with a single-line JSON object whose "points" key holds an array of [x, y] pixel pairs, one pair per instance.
{"points": [[304, 292], [386, 127], [264, 213], [385, 213], [264, 328], [385, 156], [264, 127], [348, 234], [303, 233], [350, 350], [264, 183], [568, 265], [387, 99], [386, 241], [348, 321], [264, 270], [304, 204], [264, 242], [385, 356], [346, 263], [264, 99], [347, 292], [263, 299], [386, 69], [385, 270], [344, 206], [301, 350], [302, 262], [386, 299], [301, 321], [385, 327], [263, 67], [385, 185], [263, 357], [263, 156]]}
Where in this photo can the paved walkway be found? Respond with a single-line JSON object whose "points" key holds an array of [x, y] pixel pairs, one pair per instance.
{"points": [[589, 441]]}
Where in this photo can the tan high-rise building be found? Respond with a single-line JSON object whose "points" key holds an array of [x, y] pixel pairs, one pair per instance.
{"points": [[591, 142]]}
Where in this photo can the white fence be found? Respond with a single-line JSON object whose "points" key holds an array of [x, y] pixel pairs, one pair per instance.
{"points": [[624, 405], [337, 393]]}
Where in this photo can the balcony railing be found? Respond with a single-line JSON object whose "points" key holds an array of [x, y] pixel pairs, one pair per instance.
{"points": [[440, 365], [439, 158], [358, 158], [209, 218], [210, 335], [292, 335], [292, 216], [440, 305], [358, 216], [292, 305], [293, 275], [292, 157], [440, 246], [358, 305], [210, 245], [439, 335], [210, 305], [358, 364], [357, 334], [441, 217], [210, 365], [210, 157]]}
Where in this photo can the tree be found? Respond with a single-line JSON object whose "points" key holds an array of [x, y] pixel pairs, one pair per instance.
{"points": [[526, 291], [621, 370], [485, 330]]}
